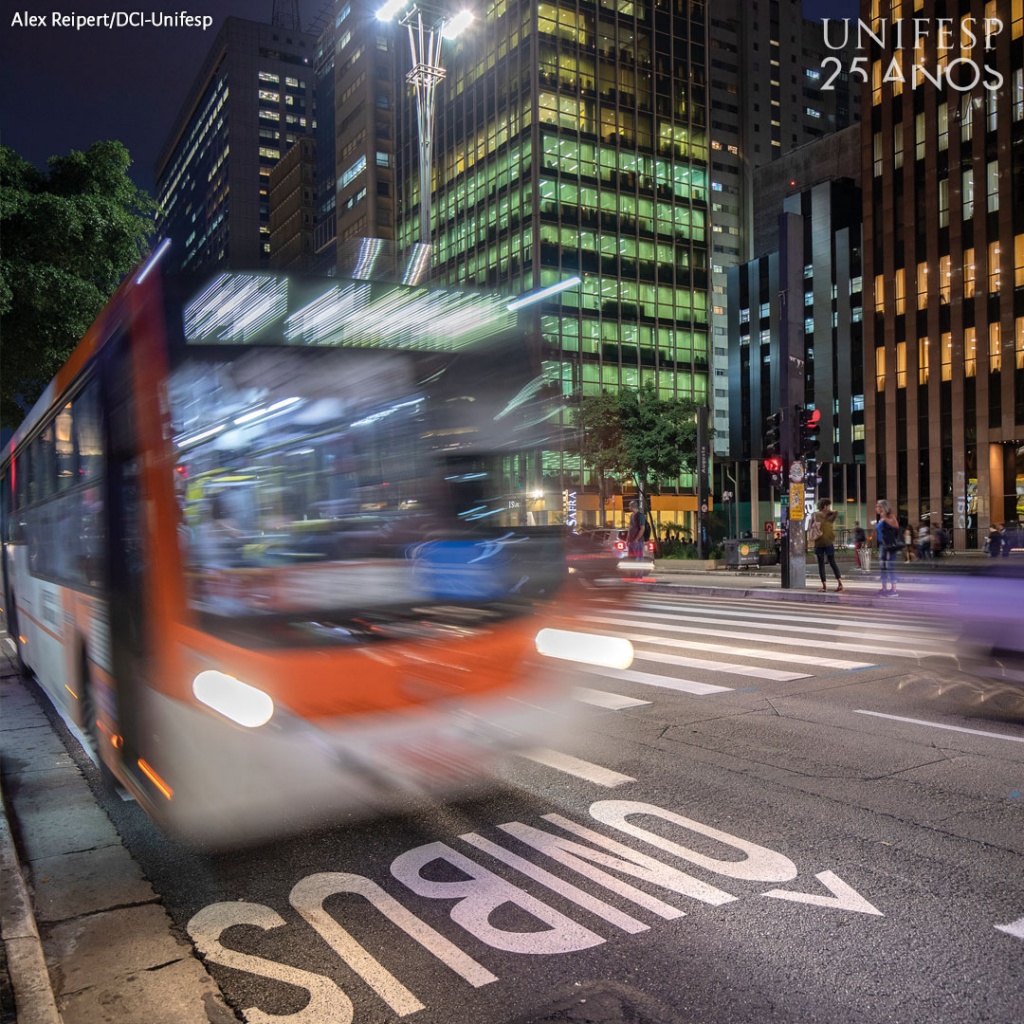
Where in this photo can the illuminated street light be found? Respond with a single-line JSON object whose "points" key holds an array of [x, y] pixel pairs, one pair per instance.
{"points": [[427, 31]]}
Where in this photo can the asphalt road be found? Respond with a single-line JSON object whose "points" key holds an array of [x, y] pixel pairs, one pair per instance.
{"points": [[782, 812]]}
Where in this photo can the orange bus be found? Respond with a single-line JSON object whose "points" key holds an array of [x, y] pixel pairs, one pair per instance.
{"points": [[261, 546]]}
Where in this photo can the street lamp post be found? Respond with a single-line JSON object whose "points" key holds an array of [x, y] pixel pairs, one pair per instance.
{"points": [[428, 28]]}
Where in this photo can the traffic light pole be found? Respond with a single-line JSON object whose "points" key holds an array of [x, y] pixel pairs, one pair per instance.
{"points": [[791, 392]]}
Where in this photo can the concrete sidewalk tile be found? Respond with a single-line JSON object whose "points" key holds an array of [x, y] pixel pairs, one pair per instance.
{"points": [[84, 883], [175, 994], [34, 748], [57, 814], [127, 957]]}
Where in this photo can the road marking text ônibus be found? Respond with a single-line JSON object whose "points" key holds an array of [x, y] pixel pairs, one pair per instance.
{"points": [[479, 892]]}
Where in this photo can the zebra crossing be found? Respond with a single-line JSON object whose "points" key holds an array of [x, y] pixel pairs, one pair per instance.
{"points": [[751, 644], [732, 644]]}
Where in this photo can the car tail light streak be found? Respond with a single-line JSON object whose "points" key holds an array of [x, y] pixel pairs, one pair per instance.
{"points": [[234, 699], [585, 648]]}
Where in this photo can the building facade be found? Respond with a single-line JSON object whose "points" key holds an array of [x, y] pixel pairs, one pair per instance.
{"points": [[293, 207], [572, 141], [771, 90], [252, 99], [943, 167], [796, 339]]}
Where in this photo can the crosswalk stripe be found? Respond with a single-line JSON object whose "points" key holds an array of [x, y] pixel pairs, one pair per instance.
{"points": [[742, 652], [770, 638], [675, 610], [577, 767], [603, 699], [631, 675]]}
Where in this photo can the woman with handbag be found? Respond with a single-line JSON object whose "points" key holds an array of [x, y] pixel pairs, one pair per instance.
{"points": [[889, 544], [822, 534]]}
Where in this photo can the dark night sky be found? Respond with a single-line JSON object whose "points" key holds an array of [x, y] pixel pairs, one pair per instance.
{"points": [[64, 90]]}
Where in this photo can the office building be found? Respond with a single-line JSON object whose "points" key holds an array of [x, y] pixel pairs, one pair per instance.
{"points": [[251, 101], [943, 172], [572, 140], [772, 89], [796, 339]]}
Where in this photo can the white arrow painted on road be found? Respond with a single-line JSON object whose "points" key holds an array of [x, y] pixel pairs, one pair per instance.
{"points": [[843, 897], [1016, 928]]}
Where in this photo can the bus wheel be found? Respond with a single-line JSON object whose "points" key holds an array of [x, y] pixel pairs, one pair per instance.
{"points": [[90, 714]]}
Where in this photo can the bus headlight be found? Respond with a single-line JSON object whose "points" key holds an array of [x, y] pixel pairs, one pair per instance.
{"points": [[585, 648], [234, 699]]}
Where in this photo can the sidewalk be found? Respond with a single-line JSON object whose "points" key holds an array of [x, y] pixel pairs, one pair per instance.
{"points": [[84, 936]]}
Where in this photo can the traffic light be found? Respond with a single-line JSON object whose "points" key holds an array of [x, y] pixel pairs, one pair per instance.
{"points": [[773, 464], [773, 436], [808, 423]]}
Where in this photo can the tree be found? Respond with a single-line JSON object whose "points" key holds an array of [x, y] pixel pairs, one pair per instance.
{"points": [[69, 236], [636, 434]]}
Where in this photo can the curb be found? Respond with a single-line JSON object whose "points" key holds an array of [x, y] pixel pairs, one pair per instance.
{"points": [[30, 979]]}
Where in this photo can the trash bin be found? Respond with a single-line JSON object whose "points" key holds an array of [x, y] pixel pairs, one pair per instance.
{"points": [[742, 551]]}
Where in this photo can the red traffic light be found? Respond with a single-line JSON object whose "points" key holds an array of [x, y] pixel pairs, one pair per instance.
{"points": [[812, 417], [773, 464]]}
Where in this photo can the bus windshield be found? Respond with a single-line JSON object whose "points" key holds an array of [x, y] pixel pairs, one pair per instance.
{"points": [[308, 492]]}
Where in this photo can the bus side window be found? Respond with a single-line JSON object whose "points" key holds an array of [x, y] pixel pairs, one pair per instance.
{"points": [[89, 432], [67, 464]]}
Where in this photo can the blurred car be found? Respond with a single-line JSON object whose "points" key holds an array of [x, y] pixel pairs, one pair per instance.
{"points": [[607, 543], [987, 606]]}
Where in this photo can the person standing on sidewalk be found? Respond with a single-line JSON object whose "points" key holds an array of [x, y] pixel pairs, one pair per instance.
{"points": [[888, 528], [825, 542]]}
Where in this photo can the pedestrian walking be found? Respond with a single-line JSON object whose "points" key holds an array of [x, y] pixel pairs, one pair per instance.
{"points": [[888, 532], [994, 544], [635, 531], [924, 542], [823, 530]]}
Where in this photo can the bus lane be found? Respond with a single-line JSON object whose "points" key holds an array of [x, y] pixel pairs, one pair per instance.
{"points": [[477, 900]]}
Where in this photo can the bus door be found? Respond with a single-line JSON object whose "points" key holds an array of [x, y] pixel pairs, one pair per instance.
{"points": [[126, 552]]}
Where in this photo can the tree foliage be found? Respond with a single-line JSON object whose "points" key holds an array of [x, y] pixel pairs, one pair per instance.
{"points": [[68, 238], [636, 434]]}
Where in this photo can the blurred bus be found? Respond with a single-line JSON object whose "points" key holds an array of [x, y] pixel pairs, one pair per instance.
{"points": [[259, 547]]}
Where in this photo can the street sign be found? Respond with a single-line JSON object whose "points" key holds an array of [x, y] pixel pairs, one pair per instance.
{"points": [[796, 472], [796, 501], [769, 526]]}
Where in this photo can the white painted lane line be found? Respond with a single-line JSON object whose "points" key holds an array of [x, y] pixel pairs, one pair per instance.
{"points": [[743, 652], [10, 643], [901, 651], [630, 675], [603, 699], [1014, 928], [574, 766], [940, 725]]}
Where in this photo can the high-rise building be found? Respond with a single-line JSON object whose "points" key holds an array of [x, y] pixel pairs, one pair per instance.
{"points": [[773, 89], [943, 172], [795, 339], [572, 140], [252, 99], [364, 122]]}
